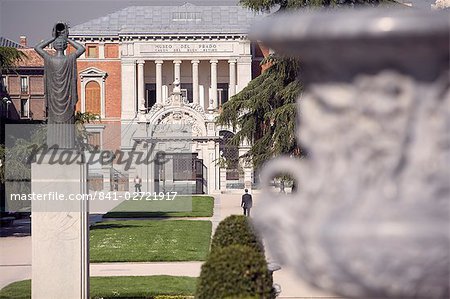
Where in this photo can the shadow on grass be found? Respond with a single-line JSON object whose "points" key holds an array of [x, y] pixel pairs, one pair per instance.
{"points": [[112, 225], [138, 215]]}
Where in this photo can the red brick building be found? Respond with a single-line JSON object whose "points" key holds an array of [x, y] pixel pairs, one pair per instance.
{"points": [[23, 85]]}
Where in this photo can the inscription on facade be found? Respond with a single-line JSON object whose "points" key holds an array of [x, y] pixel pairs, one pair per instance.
{"points": [[186, 48]]}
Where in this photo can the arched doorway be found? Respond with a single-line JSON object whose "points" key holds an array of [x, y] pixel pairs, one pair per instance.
{"points": [[92, 97]]}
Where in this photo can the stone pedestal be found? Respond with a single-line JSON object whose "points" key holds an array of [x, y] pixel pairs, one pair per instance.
{"points": [[60, 228]]}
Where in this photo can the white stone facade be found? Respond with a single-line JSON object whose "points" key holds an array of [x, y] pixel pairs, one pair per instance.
{"points": [[210, 67], [203, 64]]}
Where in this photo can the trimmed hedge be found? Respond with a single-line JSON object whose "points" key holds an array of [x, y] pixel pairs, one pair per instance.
{"points": [[235, 271], [236, 230]]}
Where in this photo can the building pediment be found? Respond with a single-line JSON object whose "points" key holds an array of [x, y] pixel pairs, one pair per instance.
{"points": [[93, 72]]}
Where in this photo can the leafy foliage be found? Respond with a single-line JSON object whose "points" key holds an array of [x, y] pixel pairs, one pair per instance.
{"points": [[264, 112], [266, 5], [82, 134], [17, 158], [236, 230], [9, 56], [235, 271]]}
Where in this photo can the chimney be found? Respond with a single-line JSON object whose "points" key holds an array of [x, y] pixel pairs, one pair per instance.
{"points": [[23, 41]]}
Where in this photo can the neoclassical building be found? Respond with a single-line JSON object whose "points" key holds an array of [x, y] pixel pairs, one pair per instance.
{"points": [[153, 66]]}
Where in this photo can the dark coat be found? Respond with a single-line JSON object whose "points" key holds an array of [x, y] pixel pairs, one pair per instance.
{"points": [[247, 201]]}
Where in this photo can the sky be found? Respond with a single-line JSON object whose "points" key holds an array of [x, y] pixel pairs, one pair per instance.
{"points": [[35, 18]]}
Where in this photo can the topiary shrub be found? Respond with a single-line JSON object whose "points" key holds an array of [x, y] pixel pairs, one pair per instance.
{"points": [[236, 230], [235, 271]]}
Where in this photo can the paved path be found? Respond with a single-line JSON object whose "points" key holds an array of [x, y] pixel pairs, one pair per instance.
{"points": [[291, 286], [15, 258], [191, 269]]}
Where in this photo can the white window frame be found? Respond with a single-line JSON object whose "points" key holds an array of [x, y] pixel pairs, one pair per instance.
{"points": [[22, 114], [24, 79], [184, 94], [220, 95], [5, 83], [99, 76]]}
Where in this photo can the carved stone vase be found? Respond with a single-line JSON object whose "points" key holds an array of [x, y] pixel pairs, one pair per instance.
{"points": [[370, 218]]}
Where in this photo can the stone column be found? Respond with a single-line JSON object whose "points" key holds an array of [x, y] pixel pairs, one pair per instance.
{"points": [[195, 97], [128, 89], [177, 70], [244, 69], [213, 96], [141, 86], [232, 87], [159, 99], [101, 50]]}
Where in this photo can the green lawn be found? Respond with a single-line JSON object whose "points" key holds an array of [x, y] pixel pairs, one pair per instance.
{"points": [[150, 240], [118, 287], [202, 206]]}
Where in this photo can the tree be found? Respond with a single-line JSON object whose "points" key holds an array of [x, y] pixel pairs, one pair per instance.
{"points": [[8, 58], [267, 5], [264, 112]]}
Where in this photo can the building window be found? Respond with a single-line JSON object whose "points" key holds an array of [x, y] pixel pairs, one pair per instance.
{"points": [[5, 84], [92, 51], [186, 16], [24, 108], [150, 95], [92, 98], [222, 93], [187, 91], [24, 84], [184, 94]]}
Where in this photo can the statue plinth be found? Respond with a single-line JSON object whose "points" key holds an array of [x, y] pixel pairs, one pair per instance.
{"points": [[60, 229]]}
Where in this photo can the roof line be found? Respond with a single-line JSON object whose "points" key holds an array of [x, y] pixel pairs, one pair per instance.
{"points": [[14, 42]]}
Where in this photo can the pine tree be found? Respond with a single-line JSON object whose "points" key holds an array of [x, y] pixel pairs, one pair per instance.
{"points": [[264, 112]]}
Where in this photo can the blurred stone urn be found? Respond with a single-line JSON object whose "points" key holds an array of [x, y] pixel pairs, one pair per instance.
{"points": [[370, 218]]}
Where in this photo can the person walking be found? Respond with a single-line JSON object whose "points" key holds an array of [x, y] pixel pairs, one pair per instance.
{"points": [[137, 184], [247, 202]]}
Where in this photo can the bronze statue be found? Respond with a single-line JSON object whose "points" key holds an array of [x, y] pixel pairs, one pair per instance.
{"points": [[60, 73]]}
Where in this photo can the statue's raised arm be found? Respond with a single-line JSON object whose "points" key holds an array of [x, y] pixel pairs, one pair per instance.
{"points": [[79, 47], [39, 48]]}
